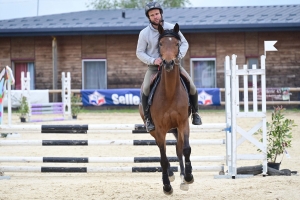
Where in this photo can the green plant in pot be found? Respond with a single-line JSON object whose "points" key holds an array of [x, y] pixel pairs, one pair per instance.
{"points": [[23, 109], [279, 136], [75, 108]]}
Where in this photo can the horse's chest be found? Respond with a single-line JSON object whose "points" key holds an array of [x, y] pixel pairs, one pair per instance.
{"points": [[172, 117]]}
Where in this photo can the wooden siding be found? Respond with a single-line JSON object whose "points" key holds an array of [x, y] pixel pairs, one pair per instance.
{"points": [[202, 45], [5, 48], [283, 67], [43, 63], [125, 70], [251, 44], [69, 59], [22, 48], [93, 47]]}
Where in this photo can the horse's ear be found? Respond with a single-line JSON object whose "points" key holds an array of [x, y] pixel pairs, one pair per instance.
{"points": [[176, 28], [160, 29]]}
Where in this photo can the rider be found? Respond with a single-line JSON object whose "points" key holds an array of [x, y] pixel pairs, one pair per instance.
{"points": [[147, 52]]}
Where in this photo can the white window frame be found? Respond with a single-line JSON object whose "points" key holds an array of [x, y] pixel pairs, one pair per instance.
{"points": [[203, 59], [93, 60]]}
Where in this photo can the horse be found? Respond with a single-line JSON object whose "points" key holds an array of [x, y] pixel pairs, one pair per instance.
{"points": [[170, 110]]}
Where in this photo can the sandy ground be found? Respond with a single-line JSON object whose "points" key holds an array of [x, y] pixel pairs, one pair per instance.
{"points": [[141, 185]]}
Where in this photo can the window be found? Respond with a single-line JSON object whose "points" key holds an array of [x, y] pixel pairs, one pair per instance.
{"points": [[203, 72], [250, 63], [23, 67], [94, 74]]}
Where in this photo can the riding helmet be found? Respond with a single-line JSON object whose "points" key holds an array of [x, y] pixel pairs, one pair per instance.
{"points": [[151, 6]]}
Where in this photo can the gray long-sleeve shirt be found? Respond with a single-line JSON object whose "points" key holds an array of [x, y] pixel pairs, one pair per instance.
{"points": [[147, 46]]}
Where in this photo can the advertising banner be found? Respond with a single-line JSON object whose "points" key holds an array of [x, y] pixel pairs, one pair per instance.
{"points": [[275, 94], [131, 97], [209, 96]]}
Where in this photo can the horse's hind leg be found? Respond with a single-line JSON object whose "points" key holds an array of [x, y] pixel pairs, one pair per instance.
{"points": [[179, 152], [188, 176], [165, 166], [171, 173]]}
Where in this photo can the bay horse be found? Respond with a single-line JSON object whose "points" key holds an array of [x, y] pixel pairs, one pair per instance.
{"points": [[170, 110]]}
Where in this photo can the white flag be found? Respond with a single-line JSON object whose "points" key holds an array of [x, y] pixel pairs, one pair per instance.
{"points": [[269, 46]]}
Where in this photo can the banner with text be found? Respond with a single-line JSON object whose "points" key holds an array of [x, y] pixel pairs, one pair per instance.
{"points": [[275, 94], [131, 97]]}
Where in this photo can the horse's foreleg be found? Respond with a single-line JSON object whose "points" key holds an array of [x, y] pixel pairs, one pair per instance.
{"points": [[188, 176], [164, 163]]}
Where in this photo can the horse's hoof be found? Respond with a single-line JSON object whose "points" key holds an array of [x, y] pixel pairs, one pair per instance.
{"points": [[184, 186], [189, 179], [168, 190], [172, 178]]}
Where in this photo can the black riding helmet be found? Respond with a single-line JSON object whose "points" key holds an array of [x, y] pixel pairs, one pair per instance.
{"points": [[152, 5]]}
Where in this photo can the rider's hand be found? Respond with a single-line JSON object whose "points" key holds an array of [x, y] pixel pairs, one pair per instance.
{"points": [[158, 61]]}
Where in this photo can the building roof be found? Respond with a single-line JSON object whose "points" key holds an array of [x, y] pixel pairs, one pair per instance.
{"points": [[131, 21]]}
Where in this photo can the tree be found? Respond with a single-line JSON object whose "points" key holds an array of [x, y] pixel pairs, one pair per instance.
{"points": [[118, 4]]}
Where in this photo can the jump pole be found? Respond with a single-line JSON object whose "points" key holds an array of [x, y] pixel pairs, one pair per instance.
{"points": [[102, 142], [106, 159], [98, 127], [101, 169]]}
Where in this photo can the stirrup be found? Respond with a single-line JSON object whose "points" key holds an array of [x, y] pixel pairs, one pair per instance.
{"points": [[196, 120], [149, 125]]}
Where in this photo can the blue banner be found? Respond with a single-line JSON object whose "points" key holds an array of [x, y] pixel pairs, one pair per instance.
{"points": [[209, 96], [131, 97], [111, 97]]}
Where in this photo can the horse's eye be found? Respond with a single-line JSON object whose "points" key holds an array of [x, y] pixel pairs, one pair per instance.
{"points": [[177, 44], [160, 44]]}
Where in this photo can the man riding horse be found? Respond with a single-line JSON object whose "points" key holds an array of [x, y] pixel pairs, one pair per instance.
{"points": [[147, 52]]}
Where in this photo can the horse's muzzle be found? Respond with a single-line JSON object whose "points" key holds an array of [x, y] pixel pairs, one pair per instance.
{"points": [[168, 65]]}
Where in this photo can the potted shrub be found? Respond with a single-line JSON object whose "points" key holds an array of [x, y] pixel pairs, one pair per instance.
{"points": [[23, 109], [75, 108], [279, 136]]}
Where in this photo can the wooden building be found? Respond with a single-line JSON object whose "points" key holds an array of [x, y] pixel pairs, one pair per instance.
{"points": [[98, 46]]}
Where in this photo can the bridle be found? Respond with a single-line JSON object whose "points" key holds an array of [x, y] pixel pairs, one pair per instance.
{"points": [[170, 33]]}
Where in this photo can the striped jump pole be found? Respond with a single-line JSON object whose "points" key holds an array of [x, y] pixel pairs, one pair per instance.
{"points": [[49, 119], [101, 169], [49, 108], [106, 159], [135, 128], [102, 142]]}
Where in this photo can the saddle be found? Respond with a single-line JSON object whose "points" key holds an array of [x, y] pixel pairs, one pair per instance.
{"points": [[155, 78]]}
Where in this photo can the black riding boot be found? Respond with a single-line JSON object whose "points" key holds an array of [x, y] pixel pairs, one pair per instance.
{"points": [[194, 104], [148, 121]]}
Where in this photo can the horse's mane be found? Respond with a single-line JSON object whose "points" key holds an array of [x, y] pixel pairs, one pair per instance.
{"points": [[169, 32]]}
